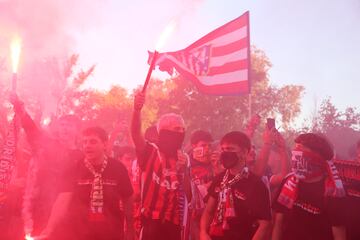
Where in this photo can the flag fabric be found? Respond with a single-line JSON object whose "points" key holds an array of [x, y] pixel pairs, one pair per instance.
{"points": [[218, 63]]}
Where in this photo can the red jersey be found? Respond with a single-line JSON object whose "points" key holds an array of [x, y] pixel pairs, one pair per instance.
{"points": [[160, 186]]}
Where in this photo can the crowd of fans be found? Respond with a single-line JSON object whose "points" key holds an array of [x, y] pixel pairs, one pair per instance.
{"points": [[160, 187]]}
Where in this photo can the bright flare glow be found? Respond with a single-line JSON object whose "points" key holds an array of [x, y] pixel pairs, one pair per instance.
{"points": [[46, 121], [15, 53], [28, 237], [165, 35]]}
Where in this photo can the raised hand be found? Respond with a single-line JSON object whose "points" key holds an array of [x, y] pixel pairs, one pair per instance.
{"points": [[269, 136], [279, 141], [139, 101], [16, 102]]}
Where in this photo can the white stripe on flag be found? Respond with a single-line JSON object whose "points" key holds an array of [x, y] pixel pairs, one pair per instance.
{"points": [[226, 78], [229, 38], [232, 57], [164, 56]]}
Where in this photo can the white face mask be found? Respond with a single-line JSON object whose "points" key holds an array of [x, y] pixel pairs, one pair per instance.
{"points": [[303, 167], [298, 164], [201, 154]]}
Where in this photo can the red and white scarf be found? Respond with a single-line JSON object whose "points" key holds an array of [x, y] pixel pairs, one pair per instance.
{"points": [[225, 207], [97, 194], [333, 184]]}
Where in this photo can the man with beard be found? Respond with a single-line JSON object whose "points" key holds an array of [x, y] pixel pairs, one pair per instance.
{"points": [[310, 202], [238, 206], [54, 154], [165, 176]]}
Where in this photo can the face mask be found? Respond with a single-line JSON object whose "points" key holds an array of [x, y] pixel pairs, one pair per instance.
{"points": [[307, 165], [229, 159], [170, 142], [200, 155]]}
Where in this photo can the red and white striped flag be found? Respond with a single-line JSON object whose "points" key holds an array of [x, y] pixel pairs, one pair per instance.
{"points": [[218, 63]]}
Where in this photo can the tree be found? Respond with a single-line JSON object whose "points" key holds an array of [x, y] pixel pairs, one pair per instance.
{"points": [[329, 117], [219, 114], [341, 127]]}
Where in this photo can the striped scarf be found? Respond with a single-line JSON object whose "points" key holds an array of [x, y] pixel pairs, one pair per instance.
{"points": [[97, 194], [333, 186], [225, 208]]}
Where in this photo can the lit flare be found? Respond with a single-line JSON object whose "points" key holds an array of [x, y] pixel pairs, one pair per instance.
{"points": [[160, 43], [28, 237], [15, 48]]}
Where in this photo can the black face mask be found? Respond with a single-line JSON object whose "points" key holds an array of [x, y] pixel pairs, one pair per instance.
{"points": [[170, 142], [228, 159]]}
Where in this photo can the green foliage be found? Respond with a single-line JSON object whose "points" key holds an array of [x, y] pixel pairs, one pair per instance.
{"points": [[329, 117], [219, 114], [341, 127]]}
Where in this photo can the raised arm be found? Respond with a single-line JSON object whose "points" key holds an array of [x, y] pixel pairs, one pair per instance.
{"points": [[276, 179], [33, 133], [262, 160], [136, 133]]}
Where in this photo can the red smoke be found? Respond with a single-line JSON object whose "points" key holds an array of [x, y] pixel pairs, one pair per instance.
{"points": [[46, 29]]}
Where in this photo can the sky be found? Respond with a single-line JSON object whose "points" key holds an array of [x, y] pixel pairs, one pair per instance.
{"points": [[311, 43]]}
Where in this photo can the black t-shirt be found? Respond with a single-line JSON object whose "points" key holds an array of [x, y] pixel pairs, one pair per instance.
{"points": [[353, 210], [53, 165], [251, 203], [116, 185], [312, 215]]}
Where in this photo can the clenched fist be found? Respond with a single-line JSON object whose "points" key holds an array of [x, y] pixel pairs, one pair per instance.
{"points": [[139, 101]]}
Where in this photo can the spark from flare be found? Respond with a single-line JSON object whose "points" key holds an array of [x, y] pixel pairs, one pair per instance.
{"points": [[15, 48], [46, 121], [169, 29], [160, 43], [28, 237]]}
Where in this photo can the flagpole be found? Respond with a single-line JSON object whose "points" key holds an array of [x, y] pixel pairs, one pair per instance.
{"points": [[249, 64], [151, 68]]}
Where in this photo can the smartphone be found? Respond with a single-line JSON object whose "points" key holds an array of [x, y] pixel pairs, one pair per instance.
{"points": [[270, 123]]}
